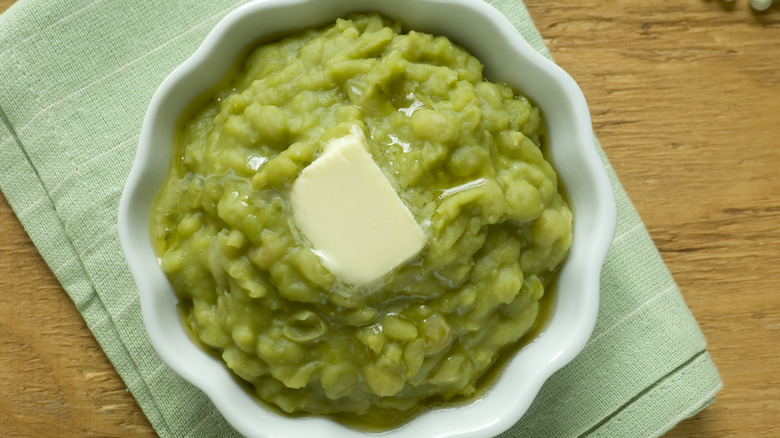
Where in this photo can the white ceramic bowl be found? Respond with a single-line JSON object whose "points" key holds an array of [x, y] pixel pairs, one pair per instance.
{"points": [[487, 34]]}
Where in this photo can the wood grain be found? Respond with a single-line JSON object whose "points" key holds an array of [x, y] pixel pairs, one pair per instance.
{"points": [[685, 99]]}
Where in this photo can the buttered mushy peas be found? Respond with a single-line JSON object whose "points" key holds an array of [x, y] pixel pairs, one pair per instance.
{"points": [[458, 174]]}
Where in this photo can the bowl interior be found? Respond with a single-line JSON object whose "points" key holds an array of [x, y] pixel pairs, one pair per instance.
{"points": [[507, 57]]}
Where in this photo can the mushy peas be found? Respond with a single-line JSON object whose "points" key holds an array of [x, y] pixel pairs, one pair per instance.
{"points": [[462, 154]]}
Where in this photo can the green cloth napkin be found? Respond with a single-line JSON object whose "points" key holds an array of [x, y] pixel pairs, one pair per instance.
{"points": [[75, 81]]}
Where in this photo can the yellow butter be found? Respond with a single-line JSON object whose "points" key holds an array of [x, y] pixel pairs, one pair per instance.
{"points": [[345, 206]]}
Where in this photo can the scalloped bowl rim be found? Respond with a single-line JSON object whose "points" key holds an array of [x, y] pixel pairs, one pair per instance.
{"points": [[487, 34]]}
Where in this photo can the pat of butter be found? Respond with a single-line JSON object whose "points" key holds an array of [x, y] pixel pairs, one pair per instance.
{"points": [[351, 214]]}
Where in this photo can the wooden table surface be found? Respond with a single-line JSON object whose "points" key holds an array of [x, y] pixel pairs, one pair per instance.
{"points": [[685, 99]]}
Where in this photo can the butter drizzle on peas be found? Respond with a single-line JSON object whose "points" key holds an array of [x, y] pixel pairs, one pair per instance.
{"points": [[465, 156]]}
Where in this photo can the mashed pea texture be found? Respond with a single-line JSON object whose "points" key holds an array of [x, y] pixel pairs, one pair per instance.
{"points": [[463, 154]]}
